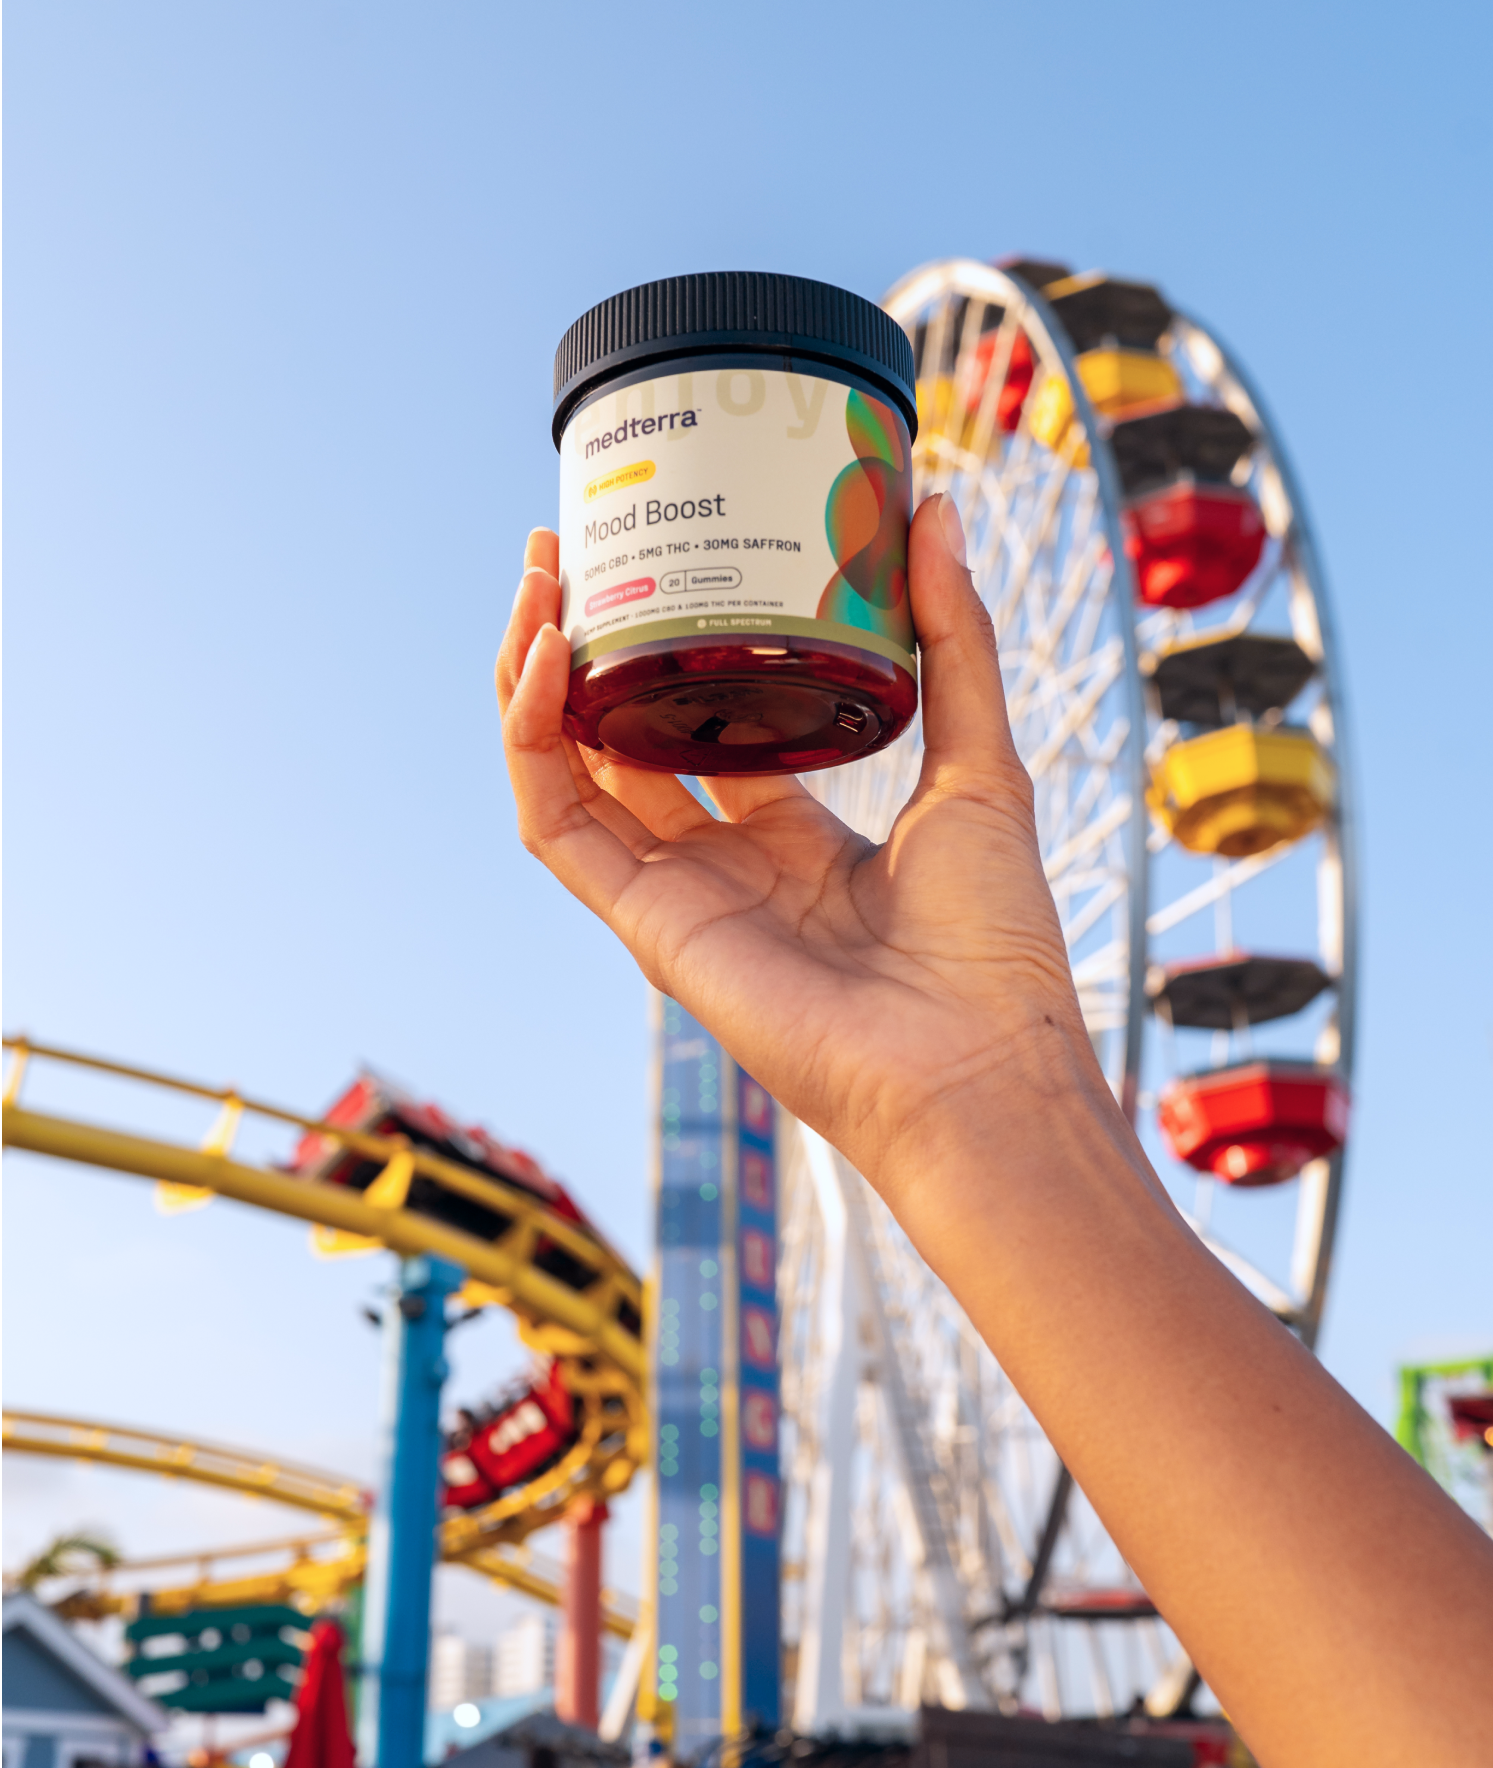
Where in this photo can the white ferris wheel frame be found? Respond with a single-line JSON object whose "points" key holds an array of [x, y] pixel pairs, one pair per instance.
{"points": [[937, 1549]]}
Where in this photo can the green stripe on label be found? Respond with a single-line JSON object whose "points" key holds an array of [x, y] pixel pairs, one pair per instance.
{"points": [[650, 632]]}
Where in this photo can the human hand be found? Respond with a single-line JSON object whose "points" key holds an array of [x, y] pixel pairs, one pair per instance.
{"points": [[872, 990]]}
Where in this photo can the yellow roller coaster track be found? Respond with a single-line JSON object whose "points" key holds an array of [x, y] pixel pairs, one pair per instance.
{"points": [[307, 1580], [590, 1327]]}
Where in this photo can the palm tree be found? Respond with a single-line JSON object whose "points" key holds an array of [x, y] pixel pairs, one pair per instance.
{"points": [[69, 1556]]}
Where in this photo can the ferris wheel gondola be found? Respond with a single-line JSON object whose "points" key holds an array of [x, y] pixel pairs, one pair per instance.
{"points": [[1174, 691]]}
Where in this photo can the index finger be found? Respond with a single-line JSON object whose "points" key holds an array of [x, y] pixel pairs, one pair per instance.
{"points": [[542, 551]]}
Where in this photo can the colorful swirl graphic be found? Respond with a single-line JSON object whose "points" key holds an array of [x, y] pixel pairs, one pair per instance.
{"points": [[865, 518]]}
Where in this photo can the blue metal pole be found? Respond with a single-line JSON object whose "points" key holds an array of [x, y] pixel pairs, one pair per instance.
{"points": [[401, 1539]]}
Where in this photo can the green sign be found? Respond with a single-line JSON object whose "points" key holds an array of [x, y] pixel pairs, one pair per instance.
{"points": [[1425, 1429], [218, 1660]]}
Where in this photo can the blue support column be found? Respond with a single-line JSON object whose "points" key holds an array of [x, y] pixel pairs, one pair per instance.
{"points": [[401, 1540]]}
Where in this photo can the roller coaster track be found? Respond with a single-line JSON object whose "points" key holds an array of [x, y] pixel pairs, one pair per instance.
{"points": [[118, 1445], [591, 1323], [306, 1580]]}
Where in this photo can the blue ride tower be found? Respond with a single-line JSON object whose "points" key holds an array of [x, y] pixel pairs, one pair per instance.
{"points": [[714, 1403]]}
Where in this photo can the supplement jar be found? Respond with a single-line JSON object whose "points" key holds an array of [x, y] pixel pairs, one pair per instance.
{"points": [[735, 490]]}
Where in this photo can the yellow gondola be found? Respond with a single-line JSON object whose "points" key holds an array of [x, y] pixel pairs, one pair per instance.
{"points": [[1116, 381], [1242, 790], [938, 412]]}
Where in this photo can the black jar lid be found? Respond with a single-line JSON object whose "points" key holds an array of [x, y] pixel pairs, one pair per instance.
{"points": [[731, 310]]}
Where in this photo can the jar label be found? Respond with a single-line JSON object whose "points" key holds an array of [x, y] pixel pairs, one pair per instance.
{"points": [[739, 502]]}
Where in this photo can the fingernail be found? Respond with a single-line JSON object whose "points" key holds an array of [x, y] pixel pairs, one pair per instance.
{"points": [[953, 528]]}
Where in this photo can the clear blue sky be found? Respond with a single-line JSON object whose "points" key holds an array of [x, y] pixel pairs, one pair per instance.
{"points": [[284, 285]]}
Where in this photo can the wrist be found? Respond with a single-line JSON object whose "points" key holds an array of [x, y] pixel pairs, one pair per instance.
{"points": [[1037, 1119]]}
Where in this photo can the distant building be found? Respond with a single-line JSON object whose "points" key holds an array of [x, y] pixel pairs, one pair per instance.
{"points": [[526, 1656], [63, 1706], [521, 1661], [459, 1671]]}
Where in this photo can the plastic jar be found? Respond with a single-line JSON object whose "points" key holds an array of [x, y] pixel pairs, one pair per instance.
{"points": [[735, 491]]}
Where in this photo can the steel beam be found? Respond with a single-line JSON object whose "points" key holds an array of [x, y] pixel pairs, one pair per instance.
{"points": [[401, 1540]]}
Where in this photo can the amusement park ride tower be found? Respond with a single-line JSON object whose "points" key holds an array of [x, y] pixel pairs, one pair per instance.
{"points": [[714, 1393]]}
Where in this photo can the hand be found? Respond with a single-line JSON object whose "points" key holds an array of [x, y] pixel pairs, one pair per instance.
{"points": [[867, 988]]}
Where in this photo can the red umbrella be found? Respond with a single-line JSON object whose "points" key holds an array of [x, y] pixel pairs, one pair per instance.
{"points": [[321, 1738]]}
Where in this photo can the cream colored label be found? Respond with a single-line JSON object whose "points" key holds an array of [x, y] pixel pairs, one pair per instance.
{"points": [[745, 502]]}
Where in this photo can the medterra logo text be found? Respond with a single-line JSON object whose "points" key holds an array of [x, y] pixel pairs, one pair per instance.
{"points": [[631, 428]]}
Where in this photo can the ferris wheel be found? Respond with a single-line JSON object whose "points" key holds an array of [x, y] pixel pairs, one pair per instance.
{"points": [[1174, 691]]}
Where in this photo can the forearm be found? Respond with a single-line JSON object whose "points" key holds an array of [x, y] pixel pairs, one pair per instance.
{"points": [[1337, 1602], [913, 1003]]}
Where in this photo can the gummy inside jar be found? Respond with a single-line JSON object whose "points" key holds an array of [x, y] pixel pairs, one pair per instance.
{"points": [[779, 705]]}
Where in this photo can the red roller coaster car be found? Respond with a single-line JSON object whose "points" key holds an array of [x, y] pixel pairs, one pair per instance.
{"points": [[512, 1441], [377, 1107]]}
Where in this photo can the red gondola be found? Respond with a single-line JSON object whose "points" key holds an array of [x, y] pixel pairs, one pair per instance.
{"points": [[1192, 544], [1255, 1124], [1014, 389]]}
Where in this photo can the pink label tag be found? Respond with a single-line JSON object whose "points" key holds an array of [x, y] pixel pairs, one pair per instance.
{"points": [[636, 591]]}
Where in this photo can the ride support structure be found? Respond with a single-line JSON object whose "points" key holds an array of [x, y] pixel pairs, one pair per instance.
{"points": [[578, 1649], [401, 1539]]}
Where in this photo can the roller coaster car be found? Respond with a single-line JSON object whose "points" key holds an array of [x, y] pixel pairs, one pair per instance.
{"points": [[463, 1486], [1198, 442], [1192, 544], [509, 1443], [376, 1107], [1226, 993], [1242, 790], [1209, 681], [1257, 1123], [1472, 1418]]}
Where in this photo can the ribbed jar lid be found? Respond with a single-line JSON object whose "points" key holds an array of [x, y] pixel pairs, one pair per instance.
{"points": [[719, 310]]}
